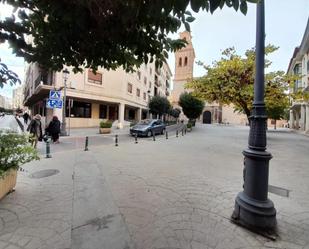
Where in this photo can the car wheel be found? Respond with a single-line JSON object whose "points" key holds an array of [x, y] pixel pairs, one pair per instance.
{"points": [[149, 133], [163, 131]]}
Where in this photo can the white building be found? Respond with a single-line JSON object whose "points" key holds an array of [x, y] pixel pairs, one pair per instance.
{"points": [[18, 98], [299, 65], [113, 94]]}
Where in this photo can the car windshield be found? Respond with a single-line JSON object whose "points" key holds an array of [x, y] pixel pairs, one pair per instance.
{"points": [[145, 122]]}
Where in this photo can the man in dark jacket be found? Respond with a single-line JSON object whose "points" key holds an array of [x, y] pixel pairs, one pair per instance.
{"points": [[53, 129]]}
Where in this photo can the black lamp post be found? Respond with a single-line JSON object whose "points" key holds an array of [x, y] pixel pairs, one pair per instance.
{"points": [[65, 78], [253, 209]]}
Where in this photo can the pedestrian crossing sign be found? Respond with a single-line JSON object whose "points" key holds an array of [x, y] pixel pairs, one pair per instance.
{"points": [[54, 94]]}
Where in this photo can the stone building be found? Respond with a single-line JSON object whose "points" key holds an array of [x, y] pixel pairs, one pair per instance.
{"points": [[299, 65], [114, 95], [184, 64]]}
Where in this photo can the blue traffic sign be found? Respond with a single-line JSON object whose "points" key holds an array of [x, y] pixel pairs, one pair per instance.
{"points": [[54, 94], [54, 103]]}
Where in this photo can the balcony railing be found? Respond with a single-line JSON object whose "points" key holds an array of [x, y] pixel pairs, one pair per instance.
{"points": [[44, 79]]}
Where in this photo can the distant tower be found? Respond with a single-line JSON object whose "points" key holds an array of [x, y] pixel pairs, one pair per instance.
{"points": [[184, 61]]}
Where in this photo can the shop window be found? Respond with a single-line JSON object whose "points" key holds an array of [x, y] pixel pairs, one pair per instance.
{"points": [[130, 88], [138, 92], [95, 78], [103, 112], [80, 110]]}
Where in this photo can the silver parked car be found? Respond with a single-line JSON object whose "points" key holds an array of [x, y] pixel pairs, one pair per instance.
{"points": [[147, 127]]}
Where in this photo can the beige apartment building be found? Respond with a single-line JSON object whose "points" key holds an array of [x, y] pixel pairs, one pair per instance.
{"points": [[18, 98], [299, 65], [107, 95], [213, 112]]}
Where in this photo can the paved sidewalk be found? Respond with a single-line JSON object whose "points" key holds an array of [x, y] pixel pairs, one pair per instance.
{"points": [[168, 194]]}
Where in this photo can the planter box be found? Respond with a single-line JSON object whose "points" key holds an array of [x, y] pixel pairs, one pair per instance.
{"points": [[105, 130], [7, 182]]}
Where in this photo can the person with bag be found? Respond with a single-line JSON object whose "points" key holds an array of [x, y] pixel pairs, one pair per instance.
{"points": [[35, 129], [53, 129]]}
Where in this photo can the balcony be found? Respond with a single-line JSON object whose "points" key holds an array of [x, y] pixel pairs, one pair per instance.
{"points": [[44, 78]]}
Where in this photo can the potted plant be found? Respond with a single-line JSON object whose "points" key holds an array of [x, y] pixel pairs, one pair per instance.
{"points": [[105, 127], [15, 150], [189, 126]]}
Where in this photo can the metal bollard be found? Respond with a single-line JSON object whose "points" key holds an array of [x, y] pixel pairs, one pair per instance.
{"points": [[48, 155], [176, 133], [86, 144], [116, 140], [154, 136], [182, 132], [166, 135], [136, 138]]}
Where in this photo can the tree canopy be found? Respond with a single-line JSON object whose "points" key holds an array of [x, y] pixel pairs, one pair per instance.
{"points": [[7, 76], [103, 33], [191, 106], [231, 81], [159, 105]]}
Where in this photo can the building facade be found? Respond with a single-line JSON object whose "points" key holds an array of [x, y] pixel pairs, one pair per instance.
{"points": [[5, 102], [91, 97], [213, 112], [18, 98], [299, 65]]}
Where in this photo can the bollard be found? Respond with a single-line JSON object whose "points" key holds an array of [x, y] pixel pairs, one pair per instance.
{"points": [[166, 135], [182, 132], [48, 155], [136, 138], [116, 140], [86, 144], [176, 133], [154, 136]]}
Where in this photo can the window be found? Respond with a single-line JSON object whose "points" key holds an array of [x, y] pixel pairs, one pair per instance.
{"points": [[180, 62], [145, 81], [186, 61], [149, 84], [103, 111], [95, 78], [130, 88], [138, 92], [139, 75], [150, 71], [144, 96], [80, 110]]}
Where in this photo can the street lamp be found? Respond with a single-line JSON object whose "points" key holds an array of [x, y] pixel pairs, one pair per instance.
{"points": [[253, 209], [65, 77]]}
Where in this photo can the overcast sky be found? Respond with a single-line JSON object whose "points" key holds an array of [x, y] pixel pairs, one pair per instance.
{"points": [[286, 21]]}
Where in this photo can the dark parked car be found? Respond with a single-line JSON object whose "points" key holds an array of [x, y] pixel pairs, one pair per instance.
{"points": [[147, 127]]}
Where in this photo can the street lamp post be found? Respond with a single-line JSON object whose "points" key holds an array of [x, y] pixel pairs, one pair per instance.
{"points": [[253, 209], [65, 77]]}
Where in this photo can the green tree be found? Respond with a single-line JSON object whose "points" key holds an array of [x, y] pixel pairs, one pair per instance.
{"points": [[231, 81], [191, 106], [175, 112], [100, 33], [7, 76], [159, 105]]}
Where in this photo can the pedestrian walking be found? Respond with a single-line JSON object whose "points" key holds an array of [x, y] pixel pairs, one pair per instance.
{"points": [[35, 129], [53, 129], [26, 117]]}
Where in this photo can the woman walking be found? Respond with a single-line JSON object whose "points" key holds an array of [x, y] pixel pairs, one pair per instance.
{"points": [[53, 129], [35, 129]]}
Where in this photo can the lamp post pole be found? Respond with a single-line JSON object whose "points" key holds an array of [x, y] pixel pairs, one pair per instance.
{"points": [[253, 209], [65, 77]]}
